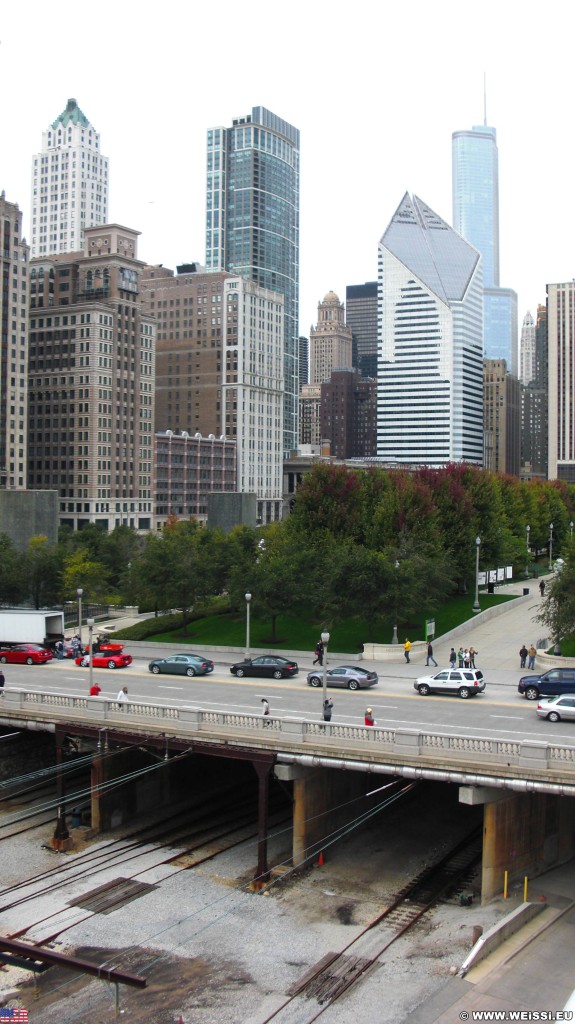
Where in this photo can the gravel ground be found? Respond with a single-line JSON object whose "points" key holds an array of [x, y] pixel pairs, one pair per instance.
{"points": [[215, 953]]}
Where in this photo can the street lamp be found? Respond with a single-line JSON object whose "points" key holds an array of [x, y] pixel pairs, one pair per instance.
{"points": [[476, 607], [394, 638], [325, 642], [90, 624], [571, 528], [527, 528], [550, 547], [79, 593], [248, 598]]}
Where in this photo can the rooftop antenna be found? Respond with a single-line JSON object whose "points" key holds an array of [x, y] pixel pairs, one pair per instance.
{"points": [[484, 99]]}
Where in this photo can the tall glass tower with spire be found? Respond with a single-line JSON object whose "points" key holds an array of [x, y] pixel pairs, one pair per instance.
{"points": [[475, 166], [252, 223]]}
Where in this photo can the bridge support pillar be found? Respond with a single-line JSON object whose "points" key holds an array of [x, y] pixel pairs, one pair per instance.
{"points": [[61, 840], [263, 770], [524, 834], [324, 801]]}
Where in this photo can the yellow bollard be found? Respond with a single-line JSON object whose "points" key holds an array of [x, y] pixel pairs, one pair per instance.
{"points": [[525, 887], [505, 880]]}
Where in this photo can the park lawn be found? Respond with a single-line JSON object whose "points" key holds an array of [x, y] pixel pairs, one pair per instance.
{"points": [[301, 633]]}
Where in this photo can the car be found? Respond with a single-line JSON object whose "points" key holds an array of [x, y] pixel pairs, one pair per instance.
{"points": [[25, 654], [182, 664], [271, 665], [354, 677], [105, 660], [556, 708], [467, 682], [554, 682]]}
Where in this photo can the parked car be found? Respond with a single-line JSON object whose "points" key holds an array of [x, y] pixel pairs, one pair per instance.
{"points": [[554, 682], [25, 654], [354, 677], [105, 660], [556, 708], [182, 664], [466, 682], [271, 665]]}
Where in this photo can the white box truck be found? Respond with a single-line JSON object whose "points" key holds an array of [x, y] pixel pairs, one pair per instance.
{"points": [[28, 626]]}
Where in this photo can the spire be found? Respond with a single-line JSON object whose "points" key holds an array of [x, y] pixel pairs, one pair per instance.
{"points": [[72, 114]]}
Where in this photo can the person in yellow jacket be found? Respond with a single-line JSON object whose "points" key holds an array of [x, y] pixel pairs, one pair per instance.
{"points": [[406, 649]]}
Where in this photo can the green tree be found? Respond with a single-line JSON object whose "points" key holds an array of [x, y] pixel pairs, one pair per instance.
{"points": [[557, 611]]}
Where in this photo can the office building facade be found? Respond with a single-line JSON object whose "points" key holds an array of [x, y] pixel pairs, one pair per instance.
{"points": [[502, 418], [430, 376], [188, 468], [330, 341], [475, 175], [252, 223], [527, 366], [14, 269], [361, 316], [561, 381], [310, 415], [534, 409], [349, 414], [91, 382], [69, 184]]}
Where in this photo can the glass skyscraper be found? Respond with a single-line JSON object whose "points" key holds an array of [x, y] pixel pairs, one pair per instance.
{"points": [[475, 165], [252, 223]]}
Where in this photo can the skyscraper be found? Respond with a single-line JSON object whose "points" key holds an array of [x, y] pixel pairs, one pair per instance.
{"points": [[535, 412], [475, 166], [14, 256], [527, 350], [252, 223], [69, 184], [430, 378], [361, 316], [561, 380], [330, 345]]}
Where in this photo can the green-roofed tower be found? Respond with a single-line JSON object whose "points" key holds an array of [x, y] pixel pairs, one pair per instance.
{"points": [[69, 184]]}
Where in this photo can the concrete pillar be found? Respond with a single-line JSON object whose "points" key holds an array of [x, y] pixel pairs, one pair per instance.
{"points": [[322, 805], [525, 834]]}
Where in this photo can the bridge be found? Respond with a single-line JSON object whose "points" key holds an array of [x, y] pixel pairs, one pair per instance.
{"points": [[521, 784]]}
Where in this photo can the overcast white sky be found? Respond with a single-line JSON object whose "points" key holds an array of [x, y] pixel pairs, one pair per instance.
{"points": [[376, 91]]}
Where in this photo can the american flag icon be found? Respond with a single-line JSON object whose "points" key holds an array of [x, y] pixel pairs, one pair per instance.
{"points": [[17, 1016]]}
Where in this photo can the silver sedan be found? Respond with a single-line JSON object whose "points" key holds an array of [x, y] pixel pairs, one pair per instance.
{"points": [[556, 708], [352, 677]]}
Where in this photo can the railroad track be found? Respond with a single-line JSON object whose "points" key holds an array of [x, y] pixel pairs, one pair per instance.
{"points": [[337, 972]]}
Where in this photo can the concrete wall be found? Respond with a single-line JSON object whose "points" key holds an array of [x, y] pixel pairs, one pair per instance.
{"points": [[226, 510], [525, 835], [25, 514], [318, 792]]}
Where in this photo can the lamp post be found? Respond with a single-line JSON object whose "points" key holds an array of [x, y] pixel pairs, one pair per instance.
{"points": [[90, 624], [476, 607], [527, 528], [248, 598], [394, 638], [571, 528], [550, 547], [325, 642], [79, 593]]}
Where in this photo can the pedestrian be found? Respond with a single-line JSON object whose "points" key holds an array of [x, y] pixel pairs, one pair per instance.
{"points": [[369, 719], [472, 654], [406, 649], [59, 647], [460, 657], [452, 657], [430, 655], [466, 658], [122, 697], [542, 587], [318, 653], [532, 653], [327, 709], [523, 656], [2, 681], [95, 690], [265, 706]]}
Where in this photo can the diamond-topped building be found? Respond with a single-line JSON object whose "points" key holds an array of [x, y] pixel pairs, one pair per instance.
{"points": [[430, 371]]}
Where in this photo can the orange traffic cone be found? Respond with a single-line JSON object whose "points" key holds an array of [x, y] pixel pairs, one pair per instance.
{"points": [[320, 859]]}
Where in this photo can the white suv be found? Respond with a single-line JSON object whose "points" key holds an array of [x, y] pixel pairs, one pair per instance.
{"points": [[467, 682]]}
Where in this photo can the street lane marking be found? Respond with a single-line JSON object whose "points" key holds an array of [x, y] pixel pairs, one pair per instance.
{"points": [[520, 718]]}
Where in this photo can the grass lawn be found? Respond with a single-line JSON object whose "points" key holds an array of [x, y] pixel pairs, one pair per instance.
{"points": [[302, 633]]}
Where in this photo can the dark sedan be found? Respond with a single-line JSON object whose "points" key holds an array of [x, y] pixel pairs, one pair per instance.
{"points": [[353, 677], [182, 665], [271, 665]]}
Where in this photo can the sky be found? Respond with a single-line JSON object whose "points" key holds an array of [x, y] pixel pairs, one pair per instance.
{"points": [[376, 91]]}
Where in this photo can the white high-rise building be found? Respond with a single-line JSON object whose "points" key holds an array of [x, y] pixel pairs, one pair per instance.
{"points": [[430, 370], [527, 350], [561, 381], [69, 185], [14, 284]]}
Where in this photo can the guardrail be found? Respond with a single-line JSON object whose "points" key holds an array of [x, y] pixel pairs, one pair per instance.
{"points": [[530, 759]]}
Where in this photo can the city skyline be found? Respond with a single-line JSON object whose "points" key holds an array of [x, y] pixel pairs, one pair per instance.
{"points": [[392, 109]]}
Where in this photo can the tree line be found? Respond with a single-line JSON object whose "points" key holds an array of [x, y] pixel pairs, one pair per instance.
{"points": [[357, 542]]}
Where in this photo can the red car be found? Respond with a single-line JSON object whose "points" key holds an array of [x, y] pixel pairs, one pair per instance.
{"points": [[25, 654], [104, 660]]}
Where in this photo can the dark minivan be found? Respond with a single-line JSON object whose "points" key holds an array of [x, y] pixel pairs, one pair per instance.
{"points": [[556, 680]]}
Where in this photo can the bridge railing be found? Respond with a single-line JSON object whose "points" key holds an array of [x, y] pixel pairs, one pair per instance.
{"points": [[528, 757]]}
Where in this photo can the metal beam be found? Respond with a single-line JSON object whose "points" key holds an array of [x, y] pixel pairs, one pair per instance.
{"points": [[72, 963]]}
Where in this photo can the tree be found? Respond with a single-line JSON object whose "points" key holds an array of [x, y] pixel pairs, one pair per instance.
{"points": [[558, 606]]}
